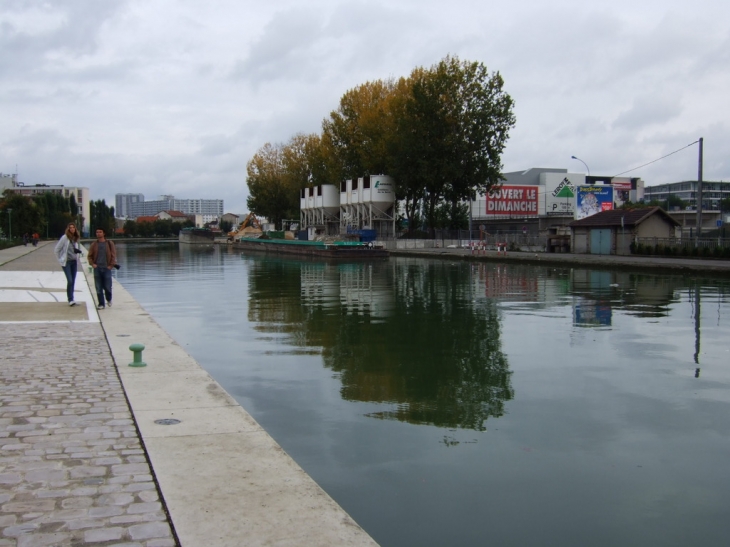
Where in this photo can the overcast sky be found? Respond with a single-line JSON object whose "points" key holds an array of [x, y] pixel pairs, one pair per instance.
{"points": [[175, 96]]}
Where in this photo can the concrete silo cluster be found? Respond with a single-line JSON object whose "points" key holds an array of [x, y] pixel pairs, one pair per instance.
{"points": [[363, 205]]}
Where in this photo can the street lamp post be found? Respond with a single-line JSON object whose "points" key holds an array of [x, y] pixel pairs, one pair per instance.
{"points": [[584, 163]]}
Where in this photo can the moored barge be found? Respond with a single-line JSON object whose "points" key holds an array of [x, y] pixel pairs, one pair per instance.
{"points": [[335, 249]]}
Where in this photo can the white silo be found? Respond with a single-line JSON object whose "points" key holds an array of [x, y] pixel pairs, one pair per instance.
{"points": [[377, 204], [304, 211], [382, 191], [328, 207], [303, 194], [355, 191], [328, 200], [348, 210]]}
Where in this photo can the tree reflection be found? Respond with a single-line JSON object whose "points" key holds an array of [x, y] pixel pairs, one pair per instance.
{"points": [[403, 333]]}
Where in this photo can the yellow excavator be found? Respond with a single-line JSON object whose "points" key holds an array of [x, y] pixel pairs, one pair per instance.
{"points": [[249, 226]]}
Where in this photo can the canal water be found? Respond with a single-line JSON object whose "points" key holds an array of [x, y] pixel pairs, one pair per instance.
{"points": [[447, 403]]}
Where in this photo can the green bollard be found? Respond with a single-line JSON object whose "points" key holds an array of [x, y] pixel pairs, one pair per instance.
{"points": [[137, 350]]}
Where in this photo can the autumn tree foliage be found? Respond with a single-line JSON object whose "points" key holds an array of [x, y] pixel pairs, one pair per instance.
{"points": [[440, 133]]}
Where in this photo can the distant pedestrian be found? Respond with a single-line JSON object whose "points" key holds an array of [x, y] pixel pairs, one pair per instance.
{"points": [[36, 238], [26, 238], [67, 250], [103, 257]]}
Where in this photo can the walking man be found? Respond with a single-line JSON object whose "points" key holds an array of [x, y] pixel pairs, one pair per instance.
{"points": [[103, 257]]}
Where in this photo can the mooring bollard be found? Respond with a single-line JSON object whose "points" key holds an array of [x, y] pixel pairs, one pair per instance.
{"points": [[137, 350]]}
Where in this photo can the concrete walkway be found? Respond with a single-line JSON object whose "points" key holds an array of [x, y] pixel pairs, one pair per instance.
{"points": [[94, 452]]}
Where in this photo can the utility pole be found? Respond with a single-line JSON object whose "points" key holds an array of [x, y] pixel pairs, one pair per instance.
{"points": [[698, 232]]}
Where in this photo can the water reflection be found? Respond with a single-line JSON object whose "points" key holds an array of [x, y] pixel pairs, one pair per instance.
{"points": [[595, 377], [374, 324], [592, 294]]}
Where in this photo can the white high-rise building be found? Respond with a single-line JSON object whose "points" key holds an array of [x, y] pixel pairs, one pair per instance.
{"points": [[122, 203], [212, 208]]}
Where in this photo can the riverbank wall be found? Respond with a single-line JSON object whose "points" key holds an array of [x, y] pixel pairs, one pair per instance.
{"points": [[693, 266]]}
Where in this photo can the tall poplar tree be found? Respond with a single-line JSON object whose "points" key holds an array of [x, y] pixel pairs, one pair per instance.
{"points": [[451, 132]]}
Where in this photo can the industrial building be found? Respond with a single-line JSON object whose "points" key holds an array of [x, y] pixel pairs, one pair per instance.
{"points": [[365, 203]]}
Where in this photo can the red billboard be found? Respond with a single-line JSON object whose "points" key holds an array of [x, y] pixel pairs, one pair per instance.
{"points": [[513, 201]]}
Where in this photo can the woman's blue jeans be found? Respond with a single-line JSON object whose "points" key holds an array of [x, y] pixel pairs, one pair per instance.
{"points": [[70, 270]]}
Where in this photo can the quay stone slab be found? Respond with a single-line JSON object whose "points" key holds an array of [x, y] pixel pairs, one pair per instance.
{"points": [[174, 390], [161, 353], [196, 421], [42, 311], [262, 496], [33, 288]]}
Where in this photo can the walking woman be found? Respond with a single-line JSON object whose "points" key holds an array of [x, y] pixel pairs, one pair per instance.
{"points": [[67, 249]]}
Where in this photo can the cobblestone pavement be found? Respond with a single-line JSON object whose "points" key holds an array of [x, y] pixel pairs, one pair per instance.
{"points": [[73, 471]]}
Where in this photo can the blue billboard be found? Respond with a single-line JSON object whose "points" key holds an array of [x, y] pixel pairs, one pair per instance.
{"points": [[590, 200]]}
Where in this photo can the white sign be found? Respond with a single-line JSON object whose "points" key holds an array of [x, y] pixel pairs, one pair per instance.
{"points": [[560, 191]]}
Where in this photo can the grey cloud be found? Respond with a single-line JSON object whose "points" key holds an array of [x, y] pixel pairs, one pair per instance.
{"points": [[37, 46], [648, 110], [217, 145], [669, 43], [33, 141], [283, 49], [356, 39]]}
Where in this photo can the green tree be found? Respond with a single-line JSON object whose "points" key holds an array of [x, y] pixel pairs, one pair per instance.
{"points": [[102, 216], [145, 229], [669, 203], [725, 205], [226, 226], [177, 226], [675, 201], [26, 215], [452, 216], [270, 193], [130, 228], [57, 212], [162, 227], [451, 131]]}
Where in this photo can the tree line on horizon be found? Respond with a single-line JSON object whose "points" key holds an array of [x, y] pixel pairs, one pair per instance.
{"points": [[48, 214], [440, 133]]}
